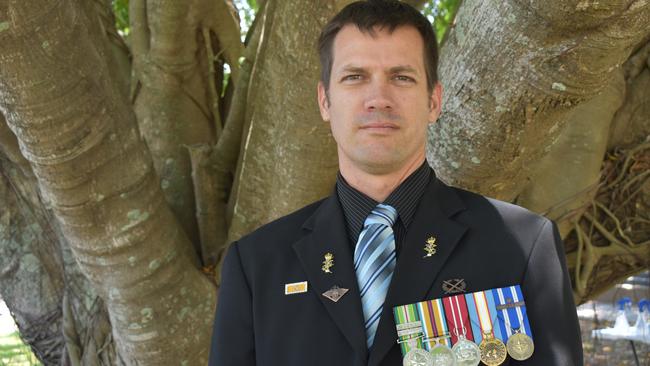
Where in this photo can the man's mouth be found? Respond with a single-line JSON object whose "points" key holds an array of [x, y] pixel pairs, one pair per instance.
{"points": [[379, 126]]}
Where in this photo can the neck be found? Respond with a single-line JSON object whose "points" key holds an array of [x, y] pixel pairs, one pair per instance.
{"points": [[374, 185]]}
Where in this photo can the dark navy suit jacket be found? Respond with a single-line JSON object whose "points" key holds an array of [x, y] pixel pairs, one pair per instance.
{"points": [[486, 242]]}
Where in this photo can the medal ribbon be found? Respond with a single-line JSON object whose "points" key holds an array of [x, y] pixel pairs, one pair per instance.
{"points": [[432, 314], [482, 313], [504, 313], [458, 317], [521, 311], [407, 314], [513, 317], [494, 314]]}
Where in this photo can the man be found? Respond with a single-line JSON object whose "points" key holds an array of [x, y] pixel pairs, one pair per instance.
{"points": [[317, 287]]}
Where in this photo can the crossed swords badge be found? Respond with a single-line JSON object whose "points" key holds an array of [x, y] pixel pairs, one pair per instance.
{"points": [[454, 285]]}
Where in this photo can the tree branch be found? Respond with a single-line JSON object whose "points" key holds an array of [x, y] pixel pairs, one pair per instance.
{"points": [[225, 24], [573, 182], [209, 208], [111, 46], [507, 102], [10, 149]]}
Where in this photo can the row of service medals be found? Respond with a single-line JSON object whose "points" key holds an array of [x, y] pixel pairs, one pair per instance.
{"points": [[415, 340], [491, 351], [464, 352]]}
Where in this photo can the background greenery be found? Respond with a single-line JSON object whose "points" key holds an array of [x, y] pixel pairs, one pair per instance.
{"points": [[440, 13], [13, 352]]}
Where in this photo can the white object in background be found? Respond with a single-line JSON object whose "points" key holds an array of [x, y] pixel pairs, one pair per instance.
{"points": [[622, 328], [7, 325], [641, 329]]}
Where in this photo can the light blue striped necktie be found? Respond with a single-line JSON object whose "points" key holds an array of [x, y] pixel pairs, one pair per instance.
{"points": [[374, 263]]}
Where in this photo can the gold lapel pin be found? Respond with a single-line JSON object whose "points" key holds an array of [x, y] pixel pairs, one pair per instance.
{"points": [[430, 247], [328, 263]]}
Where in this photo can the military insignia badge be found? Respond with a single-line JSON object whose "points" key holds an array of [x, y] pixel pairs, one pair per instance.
{"points": [[454, 285], [430, 247], [328, 263], [335, 293]]}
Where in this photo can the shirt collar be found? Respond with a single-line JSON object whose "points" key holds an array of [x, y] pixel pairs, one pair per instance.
{"points": [[357, 206]]}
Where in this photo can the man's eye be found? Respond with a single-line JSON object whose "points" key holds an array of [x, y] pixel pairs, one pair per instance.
{"points": [[352, 77], [404, 78]]}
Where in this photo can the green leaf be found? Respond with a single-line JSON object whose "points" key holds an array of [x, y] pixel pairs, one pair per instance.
{"points": [[121, 11]]}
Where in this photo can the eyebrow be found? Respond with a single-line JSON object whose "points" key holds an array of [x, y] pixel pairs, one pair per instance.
{"points": [[352, 68], [393, 70]]}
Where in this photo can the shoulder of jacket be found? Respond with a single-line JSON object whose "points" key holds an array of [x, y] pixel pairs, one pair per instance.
{"points": [[510, 213], [283, 231]]}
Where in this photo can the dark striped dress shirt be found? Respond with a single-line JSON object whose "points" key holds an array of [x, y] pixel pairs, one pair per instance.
{"points": [[405, 198]]}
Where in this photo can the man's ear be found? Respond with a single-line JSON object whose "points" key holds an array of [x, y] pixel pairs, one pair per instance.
{"points": [[435, 103], [323, 102]]}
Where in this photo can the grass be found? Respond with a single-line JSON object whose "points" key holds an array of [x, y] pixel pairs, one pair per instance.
{"points": [[13, 352]]}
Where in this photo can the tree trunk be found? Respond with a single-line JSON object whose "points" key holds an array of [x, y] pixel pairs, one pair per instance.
{"points": [[82, 141], [31, 268], [38, 271], [288, 157], [513, 73]]}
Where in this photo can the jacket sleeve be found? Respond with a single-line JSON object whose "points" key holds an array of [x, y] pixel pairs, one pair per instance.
{"points": [[233, 339], [549, 303]]}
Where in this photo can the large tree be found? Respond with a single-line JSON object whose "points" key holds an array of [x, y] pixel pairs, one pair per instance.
{"points": [[128, 163]]}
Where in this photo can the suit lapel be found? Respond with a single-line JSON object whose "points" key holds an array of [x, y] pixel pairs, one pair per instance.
{"points": [[329, 235], [414, 274]]}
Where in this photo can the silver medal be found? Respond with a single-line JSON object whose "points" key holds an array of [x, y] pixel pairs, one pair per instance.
{"points": [[442, 355], [418, 357], [467, 352]]}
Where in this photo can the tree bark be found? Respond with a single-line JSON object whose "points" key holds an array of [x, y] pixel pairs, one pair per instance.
{"points": [[31, 268], [82, 141], [37, 271], [51, 269], [611, 240], [513, 72], [109, 44], [288, 157], [566, 179]]}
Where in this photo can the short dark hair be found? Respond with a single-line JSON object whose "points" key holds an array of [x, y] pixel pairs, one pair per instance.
{"points": [[367, 15]]}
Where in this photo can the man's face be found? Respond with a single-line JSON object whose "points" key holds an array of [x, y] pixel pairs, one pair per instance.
{"points": [[378, 104]]}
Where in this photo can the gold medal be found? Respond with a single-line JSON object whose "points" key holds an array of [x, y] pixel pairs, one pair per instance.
{"points": [[493, 351], [520, 346]]}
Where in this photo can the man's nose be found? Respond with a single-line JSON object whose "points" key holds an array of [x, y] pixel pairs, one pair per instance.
{"points": [[378, 97]]}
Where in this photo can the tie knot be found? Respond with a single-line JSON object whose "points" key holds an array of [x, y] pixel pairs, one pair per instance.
{"points": [[382, 214]]}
